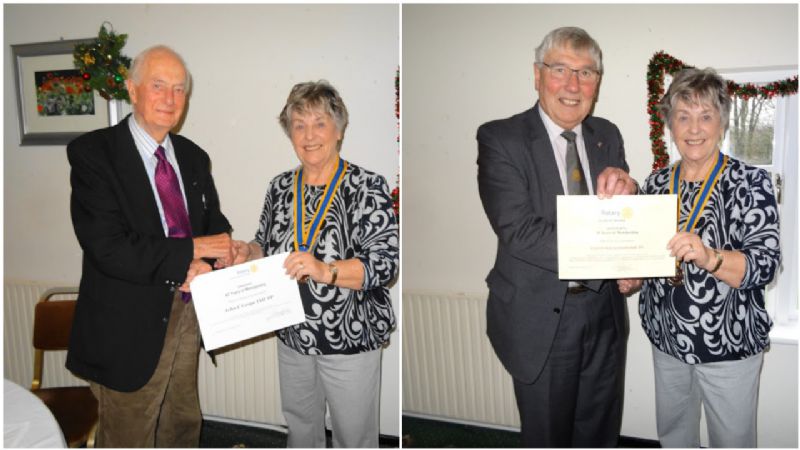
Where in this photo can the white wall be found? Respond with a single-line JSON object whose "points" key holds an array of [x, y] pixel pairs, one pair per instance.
{"points": [[466, 64], [244, 60]]}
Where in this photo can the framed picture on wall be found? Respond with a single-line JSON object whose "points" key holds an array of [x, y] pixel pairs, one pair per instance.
{"points": [[54, 104]]}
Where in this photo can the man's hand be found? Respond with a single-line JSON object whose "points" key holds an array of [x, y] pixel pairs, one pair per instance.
{"points": [[629, 286], [241, 252], [215, 246], [615, 181], [196, 267]]}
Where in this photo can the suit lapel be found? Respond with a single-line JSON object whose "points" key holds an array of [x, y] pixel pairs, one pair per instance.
{"points": [[594, 150], [544, 159], [195, 198], [133, 177]]}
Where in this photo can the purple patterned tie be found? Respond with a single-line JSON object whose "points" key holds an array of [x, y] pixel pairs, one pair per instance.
{"points": [[169, 191]]}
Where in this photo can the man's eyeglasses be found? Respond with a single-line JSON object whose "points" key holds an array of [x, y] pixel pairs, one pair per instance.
{"points": [[562, 72]]}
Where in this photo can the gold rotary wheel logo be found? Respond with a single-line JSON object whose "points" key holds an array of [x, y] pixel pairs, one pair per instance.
{"points": [[627, 213]]}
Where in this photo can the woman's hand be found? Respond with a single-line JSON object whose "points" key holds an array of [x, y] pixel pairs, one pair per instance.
{"points": [[688, 247], [301, 264], [629, 286]]}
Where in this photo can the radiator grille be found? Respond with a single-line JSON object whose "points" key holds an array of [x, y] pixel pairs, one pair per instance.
{"points": [[449, 367]]}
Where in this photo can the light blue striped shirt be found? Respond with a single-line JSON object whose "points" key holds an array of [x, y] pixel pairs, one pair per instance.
{"points": [[147, 150]]}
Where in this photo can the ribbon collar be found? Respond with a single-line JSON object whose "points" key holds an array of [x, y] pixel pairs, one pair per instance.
{"points": [[305, 236]]}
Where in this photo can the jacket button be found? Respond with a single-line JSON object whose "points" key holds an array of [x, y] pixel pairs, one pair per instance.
{"points": [[557, 310], [164, 319]]}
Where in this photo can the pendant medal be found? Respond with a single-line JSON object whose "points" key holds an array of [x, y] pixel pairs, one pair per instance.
{"points": [[699, 204], [305, 235], [677, 280]]}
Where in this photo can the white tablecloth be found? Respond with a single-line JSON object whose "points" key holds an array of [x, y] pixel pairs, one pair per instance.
{"points": [[26, 420]]}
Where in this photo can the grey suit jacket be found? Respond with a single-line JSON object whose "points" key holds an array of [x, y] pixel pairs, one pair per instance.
{"points": [[518, 182]]}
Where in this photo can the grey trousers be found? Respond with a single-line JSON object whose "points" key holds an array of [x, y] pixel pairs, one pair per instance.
{"points": [[577, 399], [728, 391], [349, 384]]}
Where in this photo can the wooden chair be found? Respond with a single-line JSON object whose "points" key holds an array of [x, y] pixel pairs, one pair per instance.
{"points": [[75, 408]]}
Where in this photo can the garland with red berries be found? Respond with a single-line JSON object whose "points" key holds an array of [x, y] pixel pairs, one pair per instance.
{"points": [[661, 64], [396, 190]]}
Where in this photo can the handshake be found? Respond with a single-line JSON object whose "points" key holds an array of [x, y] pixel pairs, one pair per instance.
{"points": [[221, 247]]}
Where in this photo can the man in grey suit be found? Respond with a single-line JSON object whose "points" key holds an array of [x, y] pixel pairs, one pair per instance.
{"points": [[563, 342]]}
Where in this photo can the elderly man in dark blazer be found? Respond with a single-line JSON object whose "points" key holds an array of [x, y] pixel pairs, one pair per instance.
{"points": [[563, 342], [146, 214]]}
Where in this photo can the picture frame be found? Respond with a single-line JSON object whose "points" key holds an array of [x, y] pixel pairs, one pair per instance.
{"points": [[53, 104]]}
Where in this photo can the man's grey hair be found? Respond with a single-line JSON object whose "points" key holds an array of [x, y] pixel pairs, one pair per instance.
{"points": [[134, 74], [574, 38], [697, 87], [314, 95]]}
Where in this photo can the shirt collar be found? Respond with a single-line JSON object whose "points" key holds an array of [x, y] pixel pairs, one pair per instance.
{"points": [[144, 141], [554, 131]]}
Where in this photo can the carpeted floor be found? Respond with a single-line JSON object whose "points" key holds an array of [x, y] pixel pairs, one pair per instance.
{"points": [[216, 434], [425, 433]]}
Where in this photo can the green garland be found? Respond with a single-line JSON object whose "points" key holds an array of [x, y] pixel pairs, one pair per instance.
{"points": [[103, 67], [662, 64]]}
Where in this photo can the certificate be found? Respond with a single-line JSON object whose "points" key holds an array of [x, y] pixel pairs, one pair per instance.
{"points": [[246, 300], [624, 236]]}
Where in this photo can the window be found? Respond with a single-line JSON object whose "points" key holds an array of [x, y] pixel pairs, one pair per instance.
{"points": [[763, 133]]}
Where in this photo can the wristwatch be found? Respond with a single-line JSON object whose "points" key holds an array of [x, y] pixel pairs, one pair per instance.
{"points": [[334, 273]]}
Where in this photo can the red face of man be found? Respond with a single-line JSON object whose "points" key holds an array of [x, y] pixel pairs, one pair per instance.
{"points": [[566, 101], [159, 96]]}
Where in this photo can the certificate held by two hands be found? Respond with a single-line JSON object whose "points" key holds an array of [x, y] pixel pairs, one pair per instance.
{"points": [[246, 300], [624, 236]]}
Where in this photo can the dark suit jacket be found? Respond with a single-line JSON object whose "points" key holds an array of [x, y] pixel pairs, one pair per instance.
{"points": [[130, 269], [518, 182]]}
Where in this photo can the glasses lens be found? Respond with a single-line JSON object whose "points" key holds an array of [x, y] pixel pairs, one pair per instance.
{"points": [[586, 75], [559, 72]]}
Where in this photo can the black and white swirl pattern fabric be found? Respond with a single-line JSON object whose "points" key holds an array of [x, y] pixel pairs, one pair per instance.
{"points": [[360, 224], [706, 320]]}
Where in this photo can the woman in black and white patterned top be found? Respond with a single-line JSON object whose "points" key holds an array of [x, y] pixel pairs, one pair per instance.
{"points": [[344, 256], [708, 326]]}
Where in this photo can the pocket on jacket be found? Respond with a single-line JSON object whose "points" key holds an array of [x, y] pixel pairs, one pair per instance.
{"points": [[500, 286]]}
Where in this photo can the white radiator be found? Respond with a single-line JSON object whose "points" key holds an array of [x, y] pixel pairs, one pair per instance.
{"points": [[449, 367], [243, 386]]}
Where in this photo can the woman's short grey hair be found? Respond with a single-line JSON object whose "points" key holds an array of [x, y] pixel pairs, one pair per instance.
{"points": [[697, 87], [574, 38], [135, 75], [314, 96]]}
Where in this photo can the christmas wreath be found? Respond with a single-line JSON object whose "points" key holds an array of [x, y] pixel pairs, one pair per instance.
{"points": [[103, 66]]}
